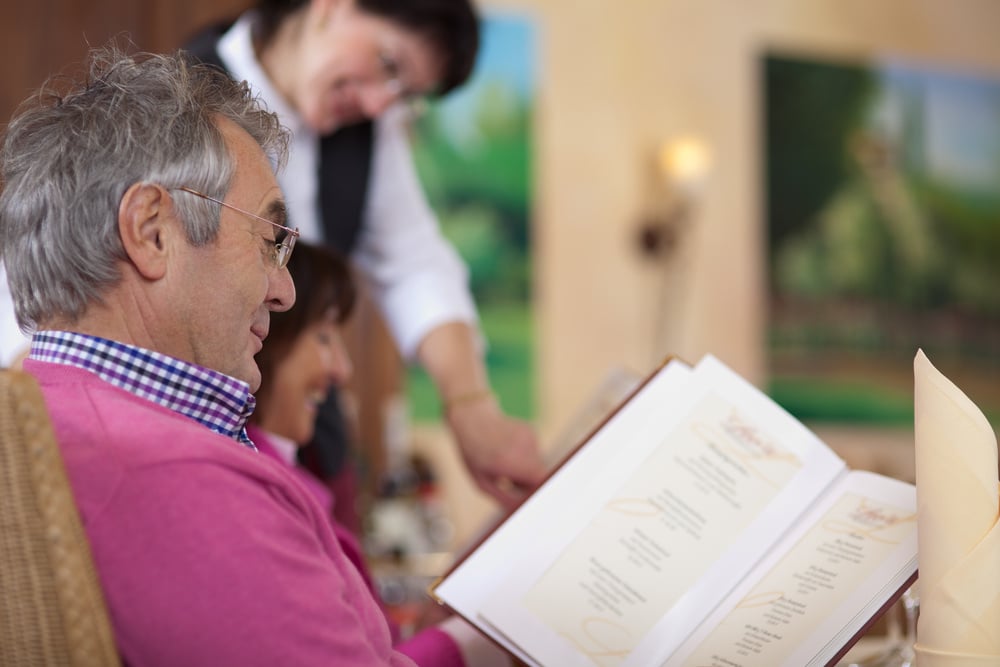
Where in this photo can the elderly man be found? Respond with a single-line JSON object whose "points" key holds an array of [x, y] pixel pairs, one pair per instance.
{"points": [[145, 239]]}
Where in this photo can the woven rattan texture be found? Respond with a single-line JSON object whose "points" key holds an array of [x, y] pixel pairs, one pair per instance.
{"points": [[51, 608]]}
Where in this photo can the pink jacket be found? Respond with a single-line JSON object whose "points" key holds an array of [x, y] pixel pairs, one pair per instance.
{"points": [[431, 647], [208, 552]]}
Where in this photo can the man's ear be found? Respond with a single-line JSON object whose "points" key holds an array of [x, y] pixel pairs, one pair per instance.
{"points": [[147, 226]]}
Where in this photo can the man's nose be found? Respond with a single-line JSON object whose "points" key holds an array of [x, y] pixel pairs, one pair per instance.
{"points": [[281, 290]]}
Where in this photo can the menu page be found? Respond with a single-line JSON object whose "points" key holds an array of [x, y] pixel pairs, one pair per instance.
{"points": [[666, 528], [637, 537], [671, 521], [831, 573], [564, 504]]}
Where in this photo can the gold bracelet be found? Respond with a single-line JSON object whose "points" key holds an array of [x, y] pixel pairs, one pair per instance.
{"points": [[468, 397]]}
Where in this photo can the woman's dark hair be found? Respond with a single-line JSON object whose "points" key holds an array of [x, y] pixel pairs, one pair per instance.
{"points": [[451, 26], [323, 281]]}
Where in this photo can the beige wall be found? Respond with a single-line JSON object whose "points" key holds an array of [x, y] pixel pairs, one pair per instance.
{"points": [[616, 79]]}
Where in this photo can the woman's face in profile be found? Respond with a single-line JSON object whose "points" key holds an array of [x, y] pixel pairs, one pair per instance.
{"points": [[355, 65], [317, 361]]}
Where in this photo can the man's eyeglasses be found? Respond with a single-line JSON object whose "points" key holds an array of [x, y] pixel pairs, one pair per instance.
{"points": [[284, 238]]}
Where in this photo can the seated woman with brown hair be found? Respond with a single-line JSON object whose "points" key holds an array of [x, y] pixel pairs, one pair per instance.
{"points": [[302, 359]]}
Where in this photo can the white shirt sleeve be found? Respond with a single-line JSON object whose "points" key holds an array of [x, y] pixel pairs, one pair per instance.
{"points": [[12, 341], [415, 275]]}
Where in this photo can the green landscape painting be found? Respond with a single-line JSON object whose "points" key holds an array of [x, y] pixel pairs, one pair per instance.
{"points": [[473, 153], [882, 194]]}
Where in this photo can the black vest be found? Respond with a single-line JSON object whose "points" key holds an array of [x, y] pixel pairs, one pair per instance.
{"points": [[345, 159]]}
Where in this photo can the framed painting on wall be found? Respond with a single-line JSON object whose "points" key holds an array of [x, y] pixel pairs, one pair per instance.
{"points": [[473, 154], [882, 195]]}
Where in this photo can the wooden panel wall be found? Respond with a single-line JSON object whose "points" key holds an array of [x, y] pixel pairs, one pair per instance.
{"points": [[45, 37]]}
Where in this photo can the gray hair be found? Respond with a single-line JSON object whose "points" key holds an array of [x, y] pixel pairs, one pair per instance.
{"points": [[67, 160]]}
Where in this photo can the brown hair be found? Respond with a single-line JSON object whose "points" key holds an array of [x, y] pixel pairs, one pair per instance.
{"points": [[323, 281], [452, 26]]}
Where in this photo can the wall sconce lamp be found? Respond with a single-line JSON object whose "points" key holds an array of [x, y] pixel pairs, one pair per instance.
{"points": [[677, 177]]}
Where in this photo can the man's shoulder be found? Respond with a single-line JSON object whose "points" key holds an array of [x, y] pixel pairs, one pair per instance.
{"points": [[111, 439], [91, 416]]}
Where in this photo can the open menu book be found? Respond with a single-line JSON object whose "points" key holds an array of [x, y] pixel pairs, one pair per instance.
{"points": [[701, 525]]}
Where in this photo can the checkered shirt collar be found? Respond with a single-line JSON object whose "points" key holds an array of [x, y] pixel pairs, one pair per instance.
{"points": [[213, 399]]}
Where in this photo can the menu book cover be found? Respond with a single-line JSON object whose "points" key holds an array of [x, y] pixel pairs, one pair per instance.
{"points": [[702, 526]]}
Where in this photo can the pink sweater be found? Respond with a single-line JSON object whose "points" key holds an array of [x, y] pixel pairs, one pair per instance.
{"points": [[208, 552], [431, 647]]}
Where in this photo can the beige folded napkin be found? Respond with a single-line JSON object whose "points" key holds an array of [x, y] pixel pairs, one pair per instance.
{"points": [[958, 505]]}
